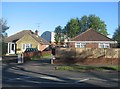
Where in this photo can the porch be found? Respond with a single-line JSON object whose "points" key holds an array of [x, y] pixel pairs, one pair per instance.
{"points": [[11, 48]]}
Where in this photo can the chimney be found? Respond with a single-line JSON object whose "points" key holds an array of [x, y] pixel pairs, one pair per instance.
{"points": [[36, 32]]}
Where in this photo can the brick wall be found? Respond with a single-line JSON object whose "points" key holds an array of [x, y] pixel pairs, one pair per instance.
{"points": [[72, 44], [91, 45]]}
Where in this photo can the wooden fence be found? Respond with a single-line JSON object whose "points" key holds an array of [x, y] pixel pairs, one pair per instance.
{"points": [[87, 53]]}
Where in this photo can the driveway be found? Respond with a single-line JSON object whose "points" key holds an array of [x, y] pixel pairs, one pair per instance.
{"points": [[44, 74]]}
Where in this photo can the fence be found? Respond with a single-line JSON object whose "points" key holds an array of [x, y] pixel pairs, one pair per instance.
{"points": [[87, 53]]}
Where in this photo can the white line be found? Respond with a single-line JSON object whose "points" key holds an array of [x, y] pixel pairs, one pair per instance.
{"points": [[98, 79], [19, 78], [31, 81], [52, 78], [83, 80], [44, 77]]}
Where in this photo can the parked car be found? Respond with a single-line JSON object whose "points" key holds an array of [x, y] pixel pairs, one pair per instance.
{"points": [[31, 52]]}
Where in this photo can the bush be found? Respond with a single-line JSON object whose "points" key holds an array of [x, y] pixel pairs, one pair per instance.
{"points": [[4, 48]]}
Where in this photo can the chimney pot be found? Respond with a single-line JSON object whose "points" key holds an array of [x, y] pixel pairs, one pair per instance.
{"points": [[36, 32]]}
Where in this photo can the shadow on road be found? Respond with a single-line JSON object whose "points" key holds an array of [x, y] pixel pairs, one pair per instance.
{"points": [[12, 79], [104, 77]]}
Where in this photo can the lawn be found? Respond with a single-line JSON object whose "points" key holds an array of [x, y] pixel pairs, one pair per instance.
{"points": [[79, 68], [44, 56]]}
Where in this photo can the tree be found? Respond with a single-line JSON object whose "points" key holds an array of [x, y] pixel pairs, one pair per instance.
{"points": [[3, 34], [97, 24], [4, 27], [58, 34], [72, 28], [77, 26], [116, 35], [83, 23]]}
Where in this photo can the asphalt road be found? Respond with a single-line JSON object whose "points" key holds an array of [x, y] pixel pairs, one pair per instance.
{"points": [[0, 74], [40, 74]]}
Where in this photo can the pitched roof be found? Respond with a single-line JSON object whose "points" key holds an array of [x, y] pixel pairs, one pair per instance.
{"points": [[19, 35], [91, 35]]}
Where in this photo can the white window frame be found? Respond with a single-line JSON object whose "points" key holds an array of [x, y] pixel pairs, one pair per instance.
{"points": [[104, 45], [80, 45], [24, 46]]}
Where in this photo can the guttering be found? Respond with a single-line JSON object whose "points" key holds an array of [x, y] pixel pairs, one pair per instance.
{"points": [[93, 41]]}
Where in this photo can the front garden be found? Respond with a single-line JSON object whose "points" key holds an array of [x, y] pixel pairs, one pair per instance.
{"points": [[80, 68]]}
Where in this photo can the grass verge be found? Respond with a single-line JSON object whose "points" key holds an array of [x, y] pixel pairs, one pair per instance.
{"points": [[35, 58], [46, 56], [79, 68]]}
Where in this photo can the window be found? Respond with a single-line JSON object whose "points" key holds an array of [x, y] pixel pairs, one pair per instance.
{"points": [[104, 45], [26, 46], [80, 45], [83, 45], [77, 45]]}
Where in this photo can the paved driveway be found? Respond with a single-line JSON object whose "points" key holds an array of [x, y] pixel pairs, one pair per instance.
{"points": [[44, 74]]}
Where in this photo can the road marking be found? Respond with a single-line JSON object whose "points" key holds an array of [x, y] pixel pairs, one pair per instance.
{"points": [[82, 80], [40, 82], [19, 78], [52, 78], [48, 78], [44, 77], [98, 79]]}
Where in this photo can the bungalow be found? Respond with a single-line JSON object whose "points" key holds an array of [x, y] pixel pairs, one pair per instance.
{"points": [[18, 42], [91, 39]]}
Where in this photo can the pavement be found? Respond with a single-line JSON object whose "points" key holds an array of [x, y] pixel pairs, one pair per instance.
{"points": [[43, 74]]}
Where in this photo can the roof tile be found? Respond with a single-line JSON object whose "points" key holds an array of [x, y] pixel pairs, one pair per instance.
{"points": [[91, 35], [19, 35]]}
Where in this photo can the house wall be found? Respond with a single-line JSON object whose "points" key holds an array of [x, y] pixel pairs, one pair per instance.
{"points": [[72, 44], [89, 45], [42, 47], [26, 39], [52, 37], [92, 45]]}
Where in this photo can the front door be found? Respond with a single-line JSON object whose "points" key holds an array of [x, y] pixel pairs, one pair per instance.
{"points": [[11, 48]]}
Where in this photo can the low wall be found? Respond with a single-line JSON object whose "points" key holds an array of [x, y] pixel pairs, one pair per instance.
{"points": [[88, 55]]}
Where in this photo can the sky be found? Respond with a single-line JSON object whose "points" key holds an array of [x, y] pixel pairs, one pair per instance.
{"points": [[45, 16]]}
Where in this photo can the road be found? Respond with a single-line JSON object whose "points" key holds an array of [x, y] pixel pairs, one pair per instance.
{"points": [[0, 74], [40, 74]]}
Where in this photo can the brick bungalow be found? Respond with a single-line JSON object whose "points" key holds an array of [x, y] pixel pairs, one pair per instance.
{"points": [[92, 39], [18, 42]]}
